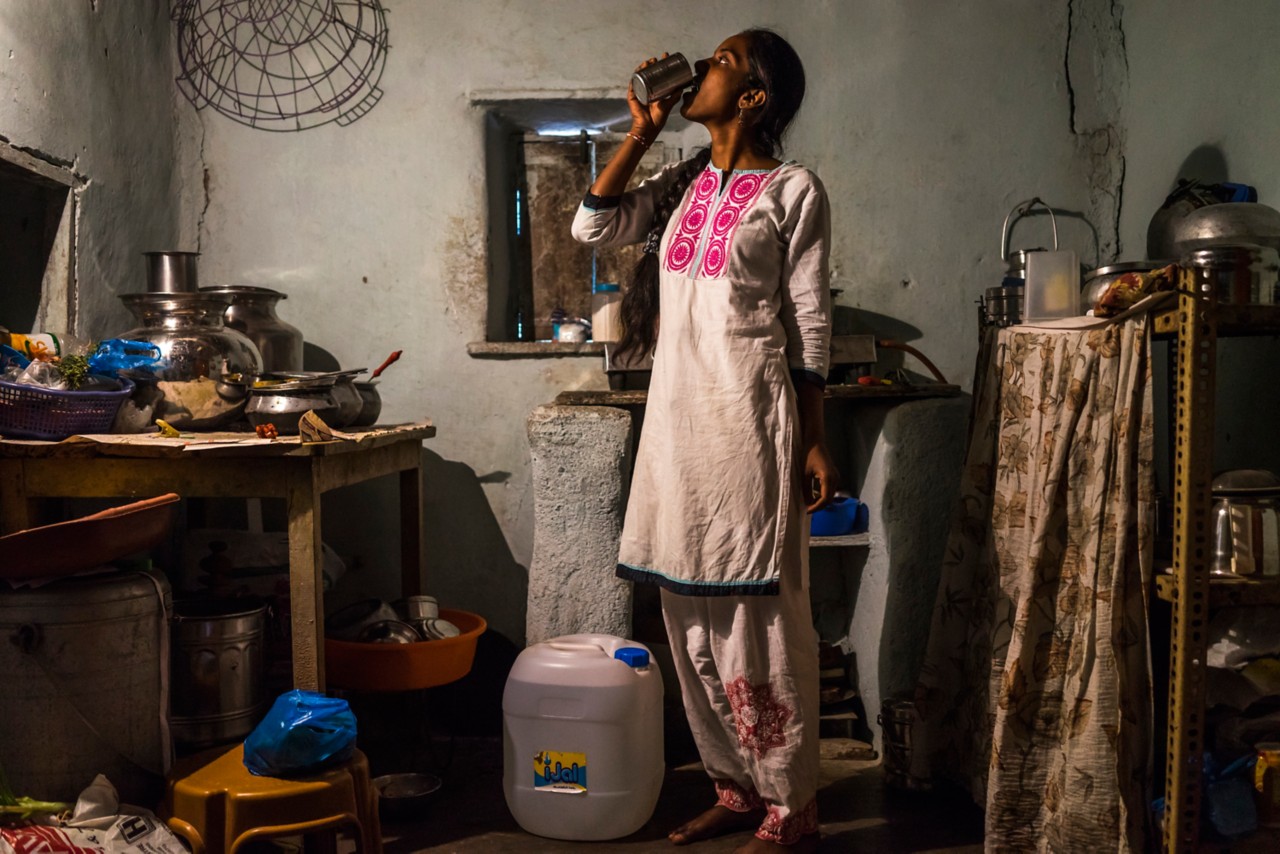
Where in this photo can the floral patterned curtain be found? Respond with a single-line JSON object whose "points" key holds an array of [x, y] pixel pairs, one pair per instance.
{"points": [[1036, 688]]}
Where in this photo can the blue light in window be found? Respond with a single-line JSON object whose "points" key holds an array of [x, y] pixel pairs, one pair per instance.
{"points": [[518, 217]]}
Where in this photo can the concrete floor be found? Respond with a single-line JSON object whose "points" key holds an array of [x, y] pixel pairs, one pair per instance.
{"points": [[857, 813]]}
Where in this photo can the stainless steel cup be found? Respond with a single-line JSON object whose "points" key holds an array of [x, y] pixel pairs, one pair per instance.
{"points": [[665, 77], [171, 272]]}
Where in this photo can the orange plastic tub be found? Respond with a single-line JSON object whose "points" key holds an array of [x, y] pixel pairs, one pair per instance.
{"points": [[404, 666]]}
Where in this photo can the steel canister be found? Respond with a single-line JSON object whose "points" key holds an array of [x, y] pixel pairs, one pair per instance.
{"points": [[665, 77]]}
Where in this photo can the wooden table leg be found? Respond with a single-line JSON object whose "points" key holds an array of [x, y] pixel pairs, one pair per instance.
{"points": [[15, 507], [306, 592], [411, 534]]}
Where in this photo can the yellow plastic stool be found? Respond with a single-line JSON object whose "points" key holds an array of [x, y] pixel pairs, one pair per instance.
{"points": [[216, 805]]}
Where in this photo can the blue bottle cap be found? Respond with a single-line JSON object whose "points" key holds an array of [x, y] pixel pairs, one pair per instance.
{"points": [[633, 656]]}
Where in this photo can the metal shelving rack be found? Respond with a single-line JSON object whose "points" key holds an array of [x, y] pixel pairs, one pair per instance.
{"points": [[1195, 326]]}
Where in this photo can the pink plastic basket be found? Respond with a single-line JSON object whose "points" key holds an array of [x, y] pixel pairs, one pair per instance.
{"points": [[32, 412]]}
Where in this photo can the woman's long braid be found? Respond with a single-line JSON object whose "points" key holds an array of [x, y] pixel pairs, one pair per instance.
{"points": [[639, 312]]}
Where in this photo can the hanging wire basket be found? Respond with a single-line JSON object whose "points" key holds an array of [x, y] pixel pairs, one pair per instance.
{"points": [[282, 65]]}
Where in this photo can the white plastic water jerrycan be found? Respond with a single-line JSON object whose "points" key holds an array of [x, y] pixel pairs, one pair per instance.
{"points": [[582, 737]]}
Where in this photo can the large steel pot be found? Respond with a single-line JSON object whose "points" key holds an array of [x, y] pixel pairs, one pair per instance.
{"points": [[82, 686], [252, 310], [204, 369], [1227, 224]]}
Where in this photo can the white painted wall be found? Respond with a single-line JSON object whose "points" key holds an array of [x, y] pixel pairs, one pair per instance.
{"points": [[927, 121], [90, 86]]}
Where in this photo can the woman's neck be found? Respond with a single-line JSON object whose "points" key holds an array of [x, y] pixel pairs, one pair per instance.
{"points": [[731, 149]]}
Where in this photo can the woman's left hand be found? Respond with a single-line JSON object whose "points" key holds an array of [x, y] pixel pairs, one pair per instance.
{"points": [[821, 479]]}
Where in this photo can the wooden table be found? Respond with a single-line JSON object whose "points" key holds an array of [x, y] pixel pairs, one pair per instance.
{"points": [[232, 465]]}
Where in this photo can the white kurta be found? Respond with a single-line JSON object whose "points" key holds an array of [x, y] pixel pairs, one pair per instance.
{"points": [[715, 506]]}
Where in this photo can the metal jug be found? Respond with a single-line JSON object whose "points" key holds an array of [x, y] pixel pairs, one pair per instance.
{"points": [[1003, 304]]}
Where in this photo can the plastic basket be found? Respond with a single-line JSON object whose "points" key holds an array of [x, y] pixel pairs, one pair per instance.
{"points": [[32, 412]]}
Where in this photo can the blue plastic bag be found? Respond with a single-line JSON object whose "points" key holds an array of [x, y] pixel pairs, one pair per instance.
{"points": [[303, 731], [121, 354]]}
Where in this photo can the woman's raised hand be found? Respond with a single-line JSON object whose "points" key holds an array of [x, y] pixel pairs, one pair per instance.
{"points": [[647, 120]]}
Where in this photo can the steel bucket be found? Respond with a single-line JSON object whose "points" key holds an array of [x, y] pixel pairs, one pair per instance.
{"points": [[217, 689]]}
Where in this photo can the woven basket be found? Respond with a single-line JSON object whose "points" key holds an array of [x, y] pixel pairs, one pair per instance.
{"points": [[32, 412]]}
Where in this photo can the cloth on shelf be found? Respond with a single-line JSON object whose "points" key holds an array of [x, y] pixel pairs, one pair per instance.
{"points": [[1036, 689], [1128, 289]]}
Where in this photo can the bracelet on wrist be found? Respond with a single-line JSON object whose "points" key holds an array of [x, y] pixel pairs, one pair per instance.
{"points": [[640, 139]]}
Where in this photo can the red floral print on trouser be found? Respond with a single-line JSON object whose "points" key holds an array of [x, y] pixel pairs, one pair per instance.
{"points": [[748, 668]]}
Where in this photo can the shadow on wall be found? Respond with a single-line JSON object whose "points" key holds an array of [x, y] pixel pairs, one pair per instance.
{"points": [[468, 563], [916, 513], [1206, 164]]}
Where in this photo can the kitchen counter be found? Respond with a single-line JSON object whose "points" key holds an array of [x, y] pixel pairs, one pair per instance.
{"points": [[875, 393]]}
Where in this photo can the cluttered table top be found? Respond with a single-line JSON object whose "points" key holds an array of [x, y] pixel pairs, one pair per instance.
{"points": [[222, 444]]}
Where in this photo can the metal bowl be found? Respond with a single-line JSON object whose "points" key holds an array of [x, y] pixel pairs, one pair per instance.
{"points": [[284, 408], [389, 631], [341, 386], [405, 796]]}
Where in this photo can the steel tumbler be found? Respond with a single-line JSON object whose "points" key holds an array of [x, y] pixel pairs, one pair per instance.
{"points": [[662, 79]]}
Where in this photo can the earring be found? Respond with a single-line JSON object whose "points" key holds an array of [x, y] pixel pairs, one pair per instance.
{"points": [[741, 120]]}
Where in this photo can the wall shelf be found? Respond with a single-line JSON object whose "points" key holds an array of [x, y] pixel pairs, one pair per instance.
{"points": [[532, 349], [1230, 320], [1224, 592], [609, 397], [843, 541]]}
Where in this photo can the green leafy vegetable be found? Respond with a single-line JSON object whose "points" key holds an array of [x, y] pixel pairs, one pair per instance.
{"points": [[75, 370]]}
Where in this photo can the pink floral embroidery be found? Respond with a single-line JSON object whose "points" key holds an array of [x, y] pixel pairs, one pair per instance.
{"points": [[684, 243], [787, 830], [741, 194], [759, 717], [730, 794]]}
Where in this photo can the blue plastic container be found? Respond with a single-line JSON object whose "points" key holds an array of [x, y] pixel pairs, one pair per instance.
{"points": [[844, 515]]}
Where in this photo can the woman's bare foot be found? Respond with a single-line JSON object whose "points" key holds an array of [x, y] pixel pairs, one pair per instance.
{"points": [[717, 821], [805, 845]]}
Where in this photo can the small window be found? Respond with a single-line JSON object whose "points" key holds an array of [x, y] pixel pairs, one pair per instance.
{"points": [[541, 156], [36, 243]]}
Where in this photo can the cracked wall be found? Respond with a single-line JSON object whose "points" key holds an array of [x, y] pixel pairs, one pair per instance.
{"points": [[90, 86], [1096, 74]]}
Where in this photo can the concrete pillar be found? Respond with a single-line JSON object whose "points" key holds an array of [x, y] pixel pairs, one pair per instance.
{"points": [[581, 466]]}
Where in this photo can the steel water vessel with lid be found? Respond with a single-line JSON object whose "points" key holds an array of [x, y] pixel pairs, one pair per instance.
{"points": [[205, 368], [252, 310]]}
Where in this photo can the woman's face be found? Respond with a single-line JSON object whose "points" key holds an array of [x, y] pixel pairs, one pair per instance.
{"points": [[721, 81]]}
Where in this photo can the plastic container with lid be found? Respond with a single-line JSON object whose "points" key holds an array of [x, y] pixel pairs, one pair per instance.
{"points": [[606, 312], [1053, 286], [582, 737]]}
